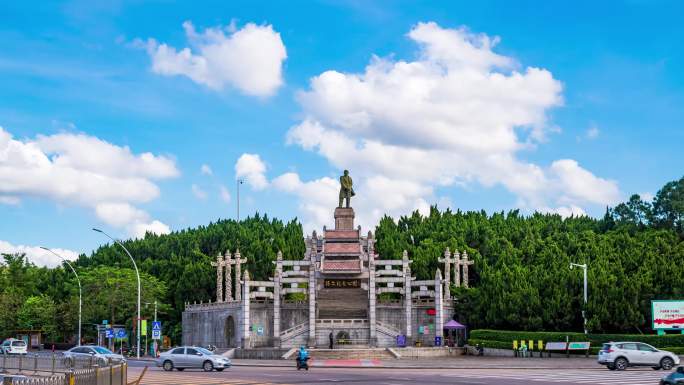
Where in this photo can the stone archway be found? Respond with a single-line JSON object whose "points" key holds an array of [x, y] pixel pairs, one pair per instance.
{"points": [[229, 332], [342, 337]]}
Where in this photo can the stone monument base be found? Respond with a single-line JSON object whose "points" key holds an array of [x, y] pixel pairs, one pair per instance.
{"points": [[344, 218]]}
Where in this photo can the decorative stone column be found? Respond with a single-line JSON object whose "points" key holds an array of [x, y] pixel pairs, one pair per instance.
{"points": [[407, 297], [465, 262], [229, 277], [371, 298], [457, 270], [312, 303], [219, 277], [439, 305], [245, 311], [276, 307], [238, 272], [447, 272]]}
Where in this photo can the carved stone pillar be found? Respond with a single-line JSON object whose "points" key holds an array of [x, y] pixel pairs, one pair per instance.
{"points": [[439, 305], [276, 308], [407, 297], [465, 263], [312, 303], [229, 277], [238, 272], [219, 277], [457, 270], [447, 272], [245, 312]]}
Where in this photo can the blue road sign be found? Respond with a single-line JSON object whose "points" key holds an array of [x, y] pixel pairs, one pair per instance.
{"points": [[109, 333], [438, 341], [156, 325], [401, 341], [121, 333], [156, 334]]}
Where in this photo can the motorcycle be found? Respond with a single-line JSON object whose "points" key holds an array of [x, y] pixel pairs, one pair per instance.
{"points": [[303, 364]]}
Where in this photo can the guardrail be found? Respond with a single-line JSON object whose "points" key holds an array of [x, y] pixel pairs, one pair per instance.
{"points": [[54, 369]]}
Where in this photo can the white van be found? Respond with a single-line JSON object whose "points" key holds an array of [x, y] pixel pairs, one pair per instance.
{"points": [[14, 346]]}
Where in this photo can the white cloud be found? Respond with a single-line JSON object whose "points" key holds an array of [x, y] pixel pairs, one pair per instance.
{"points": [[9, 200], [198, 192], [37, 255], [225, 194], [249, 59], [252, 169], [459, 114], [138, 230], [206, 170], [82, 170], [592, 132]]}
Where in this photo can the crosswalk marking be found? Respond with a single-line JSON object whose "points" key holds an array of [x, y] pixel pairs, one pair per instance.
{"points": [[158, 378], [570, 377]]}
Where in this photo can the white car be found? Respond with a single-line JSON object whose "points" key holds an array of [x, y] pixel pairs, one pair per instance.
{"points": [[101, 356], [186, 357], [14, 346], [620, 355]]}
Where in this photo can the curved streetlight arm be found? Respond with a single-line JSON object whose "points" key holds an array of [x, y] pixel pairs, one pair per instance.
{"points": [[80, 297], [137, 273]]}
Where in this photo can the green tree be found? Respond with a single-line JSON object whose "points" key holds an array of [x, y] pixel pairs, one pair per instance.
{"points": [[38, 312]]}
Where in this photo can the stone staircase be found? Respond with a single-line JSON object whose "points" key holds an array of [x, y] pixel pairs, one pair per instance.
{"points": [[351, 354], [342, 304]]}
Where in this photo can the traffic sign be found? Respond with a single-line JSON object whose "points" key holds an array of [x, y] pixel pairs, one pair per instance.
{"points": [[104, 322], [121, 333], [109, 333], [156, 334], [156, 325], [438, 341]]}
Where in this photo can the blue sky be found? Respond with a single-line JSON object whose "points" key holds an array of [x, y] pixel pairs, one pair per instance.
{"points": [[560, 107]]}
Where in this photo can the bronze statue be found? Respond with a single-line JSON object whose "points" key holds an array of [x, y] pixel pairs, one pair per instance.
{"points": [[346, 188]]}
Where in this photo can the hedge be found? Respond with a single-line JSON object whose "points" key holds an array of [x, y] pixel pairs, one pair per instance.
{"points": [[488, 336]]}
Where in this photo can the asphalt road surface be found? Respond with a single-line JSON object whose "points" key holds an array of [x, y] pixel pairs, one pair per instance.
{"points": [[388, 376]]}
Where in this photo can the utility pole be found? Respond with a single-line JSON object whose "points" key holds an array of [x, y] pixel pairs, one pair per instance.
{"points": [[584, 316]]}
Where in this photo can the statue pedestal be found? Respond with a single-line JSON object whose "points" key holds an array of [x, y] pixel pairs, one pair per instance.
{"points": [[344, 218]]}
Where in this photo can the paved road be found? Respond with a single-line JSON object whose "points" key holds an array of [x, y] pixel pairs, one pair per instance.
{"points": [[388, 376]]}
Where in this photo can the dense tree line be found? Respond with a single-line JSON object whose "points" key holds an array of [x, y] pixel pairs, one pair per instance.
{"points": [[520, 279]]}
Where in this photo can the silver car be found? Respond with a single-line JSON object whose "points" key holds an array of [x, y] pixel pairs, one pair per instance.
{"points": [[620, 355], [99, 355], [188, 357]]}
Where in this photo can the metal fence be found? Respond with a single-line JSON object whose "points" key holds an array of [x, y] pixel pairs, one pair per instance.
{"points": [[54, 369]]}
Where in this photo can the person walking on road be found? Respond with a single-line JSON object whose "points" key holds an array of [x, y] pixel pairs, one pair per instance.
{"points": [[330, 337]]}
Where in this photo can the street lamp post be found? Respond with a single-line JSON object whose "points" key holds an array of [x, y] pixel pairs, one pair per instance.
{"points": [[137, 274], [80, 297], [584, 267], [238, 182]]}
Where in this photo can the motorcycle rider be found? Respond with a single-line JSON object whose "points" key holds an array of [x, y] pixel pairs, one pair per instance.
{"points": [[302, 358]]}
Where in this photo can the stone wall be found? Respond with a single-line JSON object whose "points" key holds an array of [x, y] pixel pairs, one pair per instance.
{"points": [[212, 324]]}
